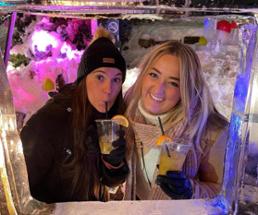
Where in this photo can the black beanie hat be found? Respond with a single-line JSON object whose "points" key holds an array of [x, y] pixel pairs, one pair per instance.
{"points": [[101, 53]]}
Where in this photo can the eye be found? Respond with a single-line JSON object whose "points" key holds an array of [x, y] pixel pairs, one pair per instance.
{"points": [[117, 80], [100, 77], [153, 75], [173, 84]]}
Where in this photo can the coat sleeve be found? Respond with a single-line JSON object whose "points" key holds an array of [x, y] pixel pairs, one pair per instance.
{"points": [[39, 155], [210, 173]]}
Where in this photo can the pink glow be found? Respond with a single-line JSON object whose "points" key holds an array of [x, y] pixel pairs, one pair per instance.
{"points": [[94, 25], [41, 39], [66, 49]]}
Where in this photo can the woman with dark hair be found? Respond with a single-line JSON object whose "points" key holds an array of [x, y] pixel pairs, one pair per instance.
{"points": [[60, 141]]}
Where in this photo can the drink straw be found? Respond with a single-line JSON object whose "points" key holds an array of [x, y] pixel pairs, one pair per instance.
{"points": [[106, 109], [163, 133], [161, 127]]}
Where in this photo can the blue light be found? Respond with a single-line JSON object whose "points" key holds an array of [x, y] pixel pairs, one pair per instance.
{"points": [[235, 146], [232, 158], [241, 91], [5, 4], [206, 23], [242, 81], [220, 203]]}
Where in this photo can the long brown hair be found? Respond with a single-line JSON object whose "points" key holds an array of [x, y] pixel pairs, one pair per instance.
{"points": [[84, 167]]}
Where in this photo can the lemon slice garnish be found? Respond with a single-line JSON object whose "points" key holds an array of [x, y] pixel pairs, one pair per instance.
{"points": [[162, 139], [121, 120]]}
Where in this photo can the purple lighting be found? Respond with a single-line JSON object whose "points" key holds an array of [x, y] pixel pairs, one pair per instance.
{"points": [[66, 51], [42, 39]]}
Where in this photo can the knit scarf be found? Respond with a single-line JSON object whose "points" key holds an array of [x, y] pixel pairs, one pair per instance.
{"points": [[168, 119]]}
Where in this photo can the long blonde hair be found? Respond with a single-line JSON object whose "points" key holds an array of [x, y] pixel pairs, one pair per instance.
{"points": [[196, 101]]}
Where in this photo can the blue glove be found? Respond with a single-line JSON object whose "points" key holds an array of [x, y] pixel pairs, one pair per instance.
{"points": [[175, 184]]}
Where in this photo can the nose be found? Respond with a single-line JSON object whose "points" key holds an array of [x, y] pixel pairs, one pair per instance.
{"points": [[107, 87], [160, 88]]}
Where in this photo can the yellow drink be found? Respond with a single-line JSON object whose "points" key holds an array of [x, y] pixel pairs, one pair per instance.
{"points": [[173, 163], [105, 145], [172, 157], [108, 133]]}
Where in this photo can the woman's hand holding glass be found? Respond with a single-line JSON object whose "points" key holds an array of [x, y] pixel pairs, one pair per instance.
{"points": [[170, 178], [112, 142], [117, 154], [175, 184]]}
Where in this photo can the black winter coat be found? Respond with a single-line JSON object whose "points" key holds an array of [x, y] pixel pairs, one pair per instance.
{"points": [[47, 144]]}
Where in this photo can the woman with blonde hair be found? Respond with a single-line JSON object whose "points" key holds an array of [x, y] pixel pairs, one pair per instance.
{"points": [[60, 141], [170, 87]]}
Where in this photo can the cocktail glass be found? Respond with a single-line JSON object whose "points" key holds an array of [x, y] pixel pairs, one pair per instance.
{"points": [[172, 156], [108, 132]]}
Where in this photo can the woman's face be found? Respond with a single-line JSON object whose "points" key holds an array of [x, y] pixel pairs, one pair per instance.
{"points": [[103, 85], [160, 86]]}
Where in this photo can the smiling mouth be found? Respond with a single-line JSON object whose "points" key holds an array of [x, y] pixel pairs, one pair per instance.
{"points": [[155, 98]]}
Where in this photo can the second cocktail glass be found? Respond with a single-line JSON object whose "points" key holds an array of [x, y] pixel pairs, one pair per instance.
{"points": [[172, 155]]}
